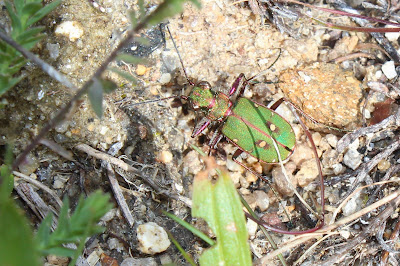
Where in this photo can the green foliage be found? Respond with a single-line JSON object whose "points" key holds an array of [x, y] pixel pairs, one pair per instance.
{"points": [[23, 14], [17, 236], [219, 205], [81, 224], [167, 9]]}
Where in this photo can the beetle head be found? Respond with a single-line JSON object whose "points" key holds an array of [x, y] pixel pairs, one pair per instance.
{"points": [[201, 96]]}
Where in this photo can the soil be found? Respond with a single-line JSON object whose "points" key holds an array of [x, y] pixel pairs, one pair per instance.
{"points": [[217, 43]]}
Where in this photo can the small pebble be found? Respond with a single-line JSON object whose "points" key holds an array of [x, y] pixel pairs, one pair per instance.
{"points": [[338, 168], [383, 165], [71, 29], [57, 260], [392, 36], [165, 78], [302, 153], [281, 183], [141, 70], [152, 238], [354, 145], [262, 199], [389, 70], [308, 172], [29, 165], [332, 140], [352, 159], [166, 260], [345, 234], [109, 215], [316, 136], [54, 50], [192, 162], [165, 156], [251, 227], [113, 243], [353, 205], [139, 262]]}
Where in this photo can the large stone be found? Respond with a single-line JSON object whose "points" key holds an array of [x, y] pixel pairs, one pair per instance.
{"points": [[325, 92]]}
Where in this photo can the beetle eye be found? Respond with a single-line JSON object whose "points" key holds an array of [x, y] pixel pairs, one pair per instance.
{"points": [[204, 85]]}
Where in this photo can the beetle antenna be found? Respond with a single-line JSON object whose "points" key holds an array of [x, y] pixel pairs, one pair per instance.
{"points": [[158, 100], [180, 59], [264, 71]]}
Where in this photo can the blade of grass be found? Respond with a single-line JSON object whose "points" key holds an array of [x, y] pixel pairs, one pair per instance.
{"points": [[191, 228], [181, 250]]}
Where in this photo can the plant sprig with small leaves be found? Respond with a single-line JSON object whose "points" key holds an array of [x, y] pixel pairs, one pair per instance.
{"points": [[23, 15]]}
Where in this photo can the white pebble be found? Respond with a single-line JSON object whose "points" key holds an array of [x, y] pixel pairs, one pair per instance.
{"points": [[389, 70], [251, 227], [354, 145], [165, 78], [352, 159], [152, 238], [262, 199], [392, 36], [71, 29], [139, 261], [353, 205], [338, 168]]}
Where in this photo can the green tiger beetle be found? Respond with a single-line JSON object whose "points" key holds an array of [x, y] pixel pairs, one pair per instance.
{"points": [[253, 128]]}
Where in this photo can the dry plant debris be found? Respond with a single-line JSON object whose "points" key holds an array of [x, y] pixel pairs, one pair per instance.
{"points": [[150, 141]]}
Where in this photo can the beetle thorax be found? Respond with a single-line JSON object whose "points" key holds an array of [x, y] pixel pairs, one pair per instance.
{"points": [[216, 106], [201, 98]]}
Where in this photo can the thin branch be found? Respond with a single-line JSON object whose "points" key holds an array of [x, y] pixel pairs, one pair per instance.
{"points": [[118, 195], [38, 185]]}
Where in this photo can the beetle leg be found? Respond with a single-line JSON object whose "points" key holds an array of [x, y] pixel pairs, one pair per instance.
{"points": [[201, 126], [236, 84], [277, 103], [216, 138]]}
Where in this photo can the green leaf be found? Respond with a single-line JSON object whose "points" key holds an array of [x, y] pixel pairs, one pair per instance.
{"points": [[6, 182], [108, 86], [43, 12], [143, 41], [43, 234], [130, 59], [29, 43], [15, 20], [29, 33], [17, 246], [31, 8], [142, 11], [165, 10], [4, 87], [19, 5], [82, 224], [219, 205], [132, 16], [61, 251], [95, 93], [123, 74]]}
